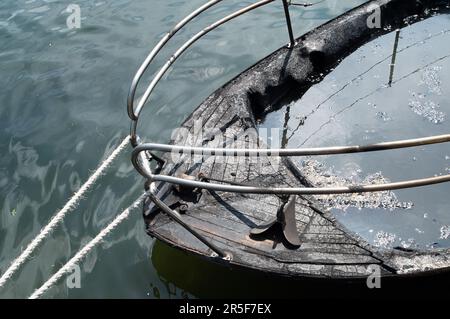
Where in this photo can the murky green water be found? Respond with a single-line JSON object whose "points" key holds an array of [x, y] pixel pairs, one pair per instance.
{"points": [[364, 101], [62, 109]]}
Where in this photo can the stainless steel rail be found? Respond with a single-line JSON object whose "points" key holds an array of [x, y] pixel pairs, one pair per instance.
{"points": [[187, 150], [134, 84], [140, 161], [134, 113], [290, 152], [304, 190]]}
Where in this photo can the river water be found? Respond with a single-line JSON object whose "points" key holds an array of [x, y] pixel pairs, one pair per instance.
{"points": [[62, 109]]}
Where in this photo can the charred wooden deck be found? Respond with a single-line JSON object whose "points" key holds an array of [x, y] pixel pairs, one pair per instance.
{"points": [[327, 248]]}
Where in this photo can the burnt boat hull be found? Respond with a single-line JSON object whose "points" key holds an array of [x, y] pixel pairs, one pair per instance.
{"points": [[328, 249], [204, 278]]}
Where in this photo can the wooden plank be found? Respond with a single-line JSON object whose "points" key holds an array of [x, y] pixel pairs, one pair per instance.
{"points": [[326, 254]]}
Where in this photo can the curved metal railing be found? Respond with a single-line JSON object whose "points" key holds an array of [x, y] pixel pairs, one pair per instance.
{"points": [[290, 152], [133, 112], [141, 162]]}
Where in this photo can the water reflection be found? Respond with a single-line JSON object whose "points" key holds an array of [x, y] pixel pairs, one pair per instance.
{"points": [[62, 109]]}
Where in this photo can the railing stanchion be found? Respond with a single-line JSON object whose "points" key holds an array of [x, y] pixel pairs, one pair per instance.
{"points": [[289, 24]]}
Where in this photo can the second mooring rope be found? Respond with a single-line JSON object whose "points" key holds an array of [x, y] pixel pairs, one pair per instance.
{"points": [[75, 260], [68, 207]]}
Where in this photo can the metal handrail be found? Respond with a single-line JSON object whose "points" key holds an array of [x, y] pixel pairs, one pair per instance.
{"points": [[154, 53], [134, 113], [290, 152], [356, 189], [140, 161], [333, 150]]}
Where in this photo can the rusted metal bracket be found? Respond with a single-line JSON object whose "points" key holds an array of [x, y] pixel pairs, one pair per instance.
{"points": [[179, 201]]}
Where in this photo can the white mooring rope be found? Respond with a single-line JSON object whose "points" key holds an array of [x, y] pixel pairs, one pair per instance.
{"points": [[69, 206], [68, 267]]}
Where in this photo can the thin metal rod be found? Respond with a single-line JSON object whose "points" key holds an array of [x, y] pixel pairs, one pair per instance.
{"points": [[334, 150], [305, 4], [394, 57], [180, 51], [177, 218], [289, 24], [156, 50]]}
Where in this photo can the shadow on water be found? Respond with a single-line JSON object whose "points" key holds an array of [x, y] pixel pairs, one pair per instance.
{"points": [[204, 279]]}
